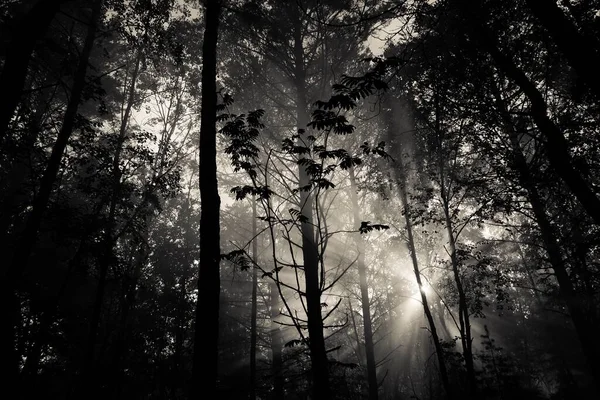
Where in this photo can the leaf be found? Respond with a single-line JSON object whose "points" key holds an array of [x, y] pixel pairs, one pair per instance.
{"points": [[223, 117], [305, 188], [329, 120], [345, 365], [241, 192], [323, 183], [254, 118], [349, 162], [366, 227], [298, 215], [239, 258], [294, 343]]}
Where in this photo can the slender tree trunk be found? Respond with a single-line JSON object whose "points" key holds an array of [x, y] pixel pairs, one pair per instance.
{"points": [[463, 306], [584, 57], [206, 336], [254, 306], [359, 348], [585, 325], [11, 274], [557, 146], [318, 353], [364, 294], [276, 345], [31, 29], [439, 351]]}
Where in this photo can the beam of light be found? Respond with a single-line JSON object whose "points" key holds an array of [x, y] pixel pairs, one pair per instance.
{"points": [[425, 289]]}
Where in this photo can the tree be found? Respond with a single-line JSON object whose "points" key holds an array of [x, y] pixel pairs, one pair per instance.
{"points": [[31, 27], [564, 33], [557, 146], [12, 272], [206, 340], [364, 292], [402, 180]]}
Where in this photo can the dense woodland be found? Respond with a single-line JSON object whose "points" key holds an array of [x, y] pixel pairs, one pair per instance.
{"points": [[300, 199]]}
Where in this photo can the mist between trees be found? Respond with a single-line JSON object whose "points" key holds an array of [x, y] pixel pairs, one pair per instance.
{"points": [[303, 199]]}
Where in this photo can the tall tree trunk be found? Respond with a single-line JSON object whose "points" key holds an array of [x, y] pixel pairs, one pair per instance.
{"points": [[557, 146], [31, 28], [276, 345], [585, 325], [580, 51], [13, 270], [439, 351], [318, 353], [206, 336], [364, 295], [254, 306]]}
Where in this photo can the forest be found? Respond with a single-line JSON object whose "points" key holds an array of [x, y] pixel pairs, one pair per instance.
{"points": [[300, 199]]}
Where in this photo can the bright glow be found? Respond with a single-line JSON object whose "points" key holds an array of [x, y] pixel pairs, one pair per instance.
{"points": [[426, 289]]}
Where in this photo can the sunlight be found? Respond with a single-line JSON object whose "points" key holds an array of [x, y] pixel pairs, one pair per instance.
{"points": [[426, 289]]}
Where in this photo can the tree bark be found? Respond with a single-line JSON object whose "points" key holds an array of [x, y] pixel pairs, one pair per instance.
{"points": [[31, 28], [206, 336], [364, 294]]}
